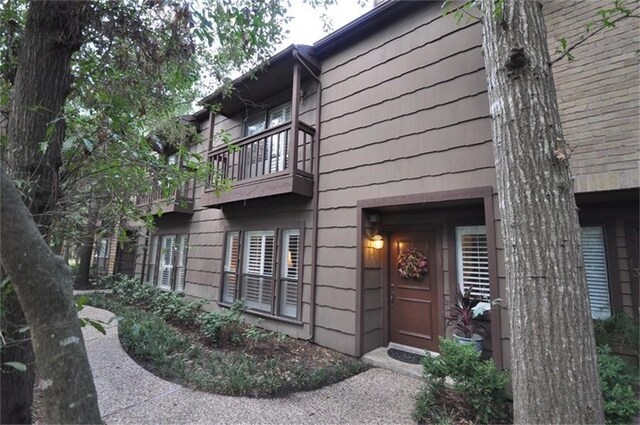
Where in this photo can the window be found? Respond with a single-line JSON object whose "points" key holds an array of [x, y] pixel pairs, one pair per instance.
{"points": [[257, 276], [230, 272], [268, 155], [166, 261], [262, 268], [152, 260], [261, 121], [289, 274], [102, 254], [472, 256], [595, 265]]}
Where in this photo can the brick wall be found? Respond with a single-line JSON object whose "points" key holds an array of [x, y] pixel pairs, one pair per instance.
{"points": [[598, 94]]}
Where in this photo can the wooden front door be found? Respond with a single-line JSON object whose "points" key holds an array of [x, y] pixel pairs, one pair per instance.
{"points": [[413, 301]]}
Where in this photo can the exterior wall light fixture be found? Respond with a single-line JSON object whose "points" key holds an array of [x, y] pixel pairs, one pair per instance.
{"points": [[377, 242]]}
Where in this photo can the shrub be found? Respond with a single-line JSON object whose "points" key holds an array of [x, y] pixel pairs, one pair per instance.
{"points": [[476, 383], [618, 329], [224, 325], [170, 306], [618, 386]]}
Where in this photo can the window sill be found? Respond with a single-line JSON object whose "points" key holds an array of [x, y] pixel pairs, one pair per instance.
{"points": [[266, 315]]}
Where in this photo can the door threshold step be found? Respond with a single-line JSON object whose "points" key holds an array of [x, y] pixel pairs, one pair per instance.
{"points": [[380, 358]]}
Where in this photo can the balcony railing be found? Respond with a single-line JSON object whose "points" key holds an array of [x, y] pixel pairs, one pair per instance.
{"points": [[182, 201], [254, 163]]}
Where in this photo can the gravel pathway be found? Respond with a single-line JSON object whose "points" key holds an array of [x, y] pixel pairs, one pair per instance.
{"points": [[127, 393]]}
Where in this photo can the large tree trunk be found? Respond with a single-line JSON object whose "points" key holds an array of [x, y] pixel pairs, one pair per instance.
{"points": [[52, 34], [15, 405], [86, 250], [42, 282], [554, 364]]}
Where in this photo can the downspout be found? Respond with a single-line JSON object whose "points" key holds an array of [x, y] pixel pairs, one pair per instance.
{"points": [[314, 202]]}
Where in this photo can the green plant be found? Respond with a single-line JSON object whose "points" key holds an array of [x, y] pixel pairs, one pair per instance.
{"points": [[618, 330], [619, 387], [222, 325], [476, 382], [462, 316], [169, 305]]}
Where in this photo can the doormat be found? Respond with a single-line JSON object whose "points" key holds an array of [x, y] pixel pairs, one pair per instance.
{"points": [[404, 357]]}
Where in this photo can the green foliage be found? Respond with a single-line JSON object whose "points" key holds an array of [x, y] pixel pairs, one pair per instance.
{"points": [[170, 306], [619, 386], [179, 355], [223, 325], [96, 324], [476, 381], [146, 337], [618, 329]]}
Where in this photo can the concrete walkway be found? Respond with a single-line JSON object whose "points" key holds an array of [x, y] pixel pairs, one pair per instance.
{"points": [[128, 393]]}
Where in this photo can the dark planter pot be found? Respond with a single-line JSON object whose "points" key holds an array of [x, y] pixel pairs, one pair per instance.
{"points": [[475, 340]]}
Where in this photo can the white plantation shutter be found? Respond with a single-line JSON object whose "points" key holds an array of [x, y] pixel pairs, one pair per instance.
{"points": [[230, 278], [595, 264], [181, 257], [290, 254], [167, 258], [151, 260], [257, 285], [472, 257]]}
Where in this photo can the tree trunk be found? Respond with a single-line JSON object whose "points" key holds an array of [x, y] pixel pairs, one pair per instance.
{"points": [[86, 250], [16, 403], [554, 363], [42, 282], [52, 34]]}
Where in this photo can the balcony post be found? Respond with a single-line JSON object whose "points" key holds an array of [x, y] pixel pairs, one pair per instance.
{"points": [[295, 106]]}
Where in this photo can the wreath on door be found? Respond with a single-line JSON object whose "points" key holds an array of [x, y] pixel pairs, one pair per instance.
{"points": [[412, 264]]}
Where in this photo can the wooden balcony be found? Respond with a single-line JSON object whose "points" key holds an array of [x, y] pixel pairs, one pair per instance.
{"points": [[276, 161], [181, 202]]}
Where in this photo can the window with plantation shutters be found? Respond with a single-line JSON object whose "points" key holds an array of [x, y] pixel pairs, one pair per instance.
{"points": [[166, 262], [263, 269], [152, 260], [257, 279], [230, 272], [472, 256], [289, 273], [167, 258], [595, 264], [181, 259]]}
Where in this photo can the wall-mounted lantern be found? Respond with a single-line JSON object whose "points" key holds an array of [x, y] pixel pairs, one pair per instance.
{"points": [[377, 242]]}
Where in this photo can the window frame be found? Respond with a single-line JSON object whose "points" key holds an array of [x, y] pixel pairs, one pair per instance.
{"points": [[102, 262], [459, 230], [156, 263], [265, 115], [598, 216], [279, 229]]}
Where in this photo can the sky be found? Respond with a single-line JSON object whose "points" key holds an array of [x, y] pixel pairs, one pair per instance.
{"points": [[306, 26]]}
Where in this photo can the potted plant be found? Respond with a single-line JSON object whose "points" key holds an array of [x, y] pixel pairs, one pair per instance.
{"points": [[463, 318]]}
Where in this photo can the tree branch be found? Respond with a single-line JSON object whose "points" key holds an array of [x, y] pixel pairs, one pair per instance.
{"points": [[586, 37]]}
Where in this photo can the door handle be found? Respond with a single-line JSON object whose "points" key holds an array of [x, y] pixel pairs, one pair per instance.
{"points": [[392, 294]]}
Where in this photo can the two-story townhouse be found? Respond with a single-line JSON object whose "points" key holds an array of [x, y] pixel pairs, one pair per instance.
{"points": [[374, 144]]}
